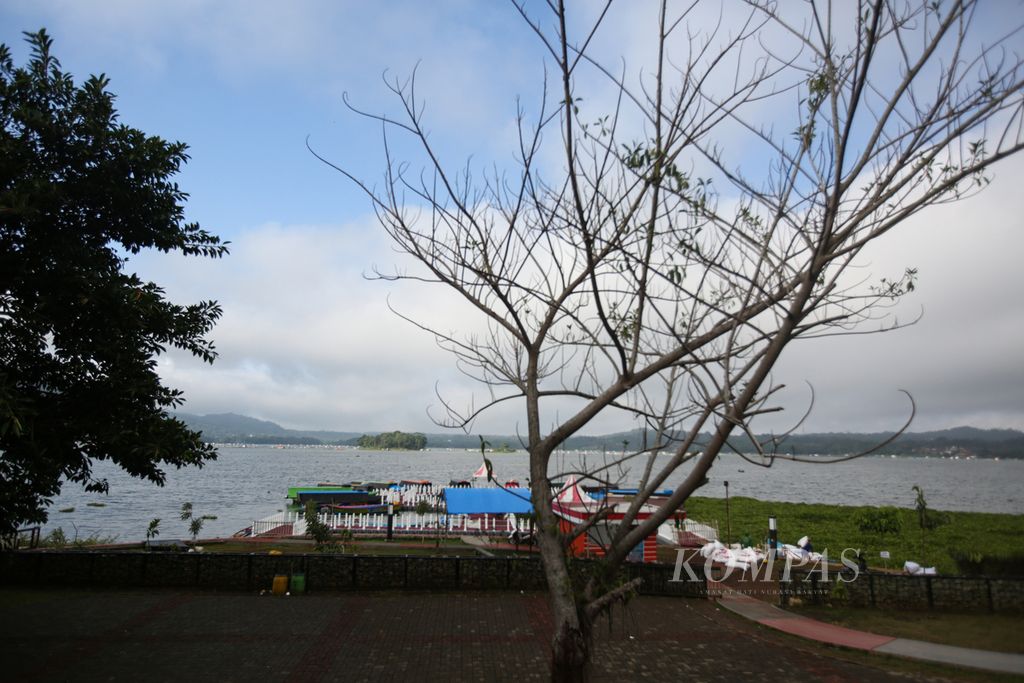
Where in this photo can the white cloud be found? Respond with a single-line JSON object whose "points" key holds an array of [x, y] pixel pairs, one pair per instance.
{"points": [[964, 361], [306, 341]]}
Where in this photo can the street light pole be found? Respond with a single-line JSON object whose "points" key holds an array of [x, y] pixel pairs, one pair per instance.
{"points": [[728, 519]]}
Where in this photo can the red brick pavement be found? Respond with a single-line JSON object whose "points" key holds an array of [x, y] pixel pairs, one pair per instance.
{"points": [[80, 635]]}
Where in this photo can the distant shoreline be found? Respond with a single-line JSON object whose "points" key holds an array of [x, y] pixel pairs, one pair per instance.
{"points": [[962, 442], [666, 453]]}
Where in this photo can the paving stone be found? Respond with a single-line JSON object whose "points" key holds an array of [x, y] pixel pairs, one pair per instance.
{"points": [[193, 636]]}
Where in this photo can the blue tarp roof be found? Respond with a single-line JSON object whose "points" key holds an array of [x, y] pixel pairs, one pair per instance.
{"points": [[491, 501]]}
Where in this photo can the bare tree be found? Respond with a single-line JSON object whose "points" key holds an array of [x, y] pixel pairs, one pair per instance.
{"points": [[654, 272]]}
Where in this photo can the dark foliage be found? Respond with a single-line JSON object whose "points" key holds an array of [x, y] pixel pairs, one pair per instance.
{"points": [[80, 193], [880, 520], [982, 564], [399, 440]]}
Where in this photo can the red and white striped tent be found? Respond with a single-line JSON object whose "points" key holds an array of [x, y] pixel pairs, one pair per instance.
{"points": [[481, 472], [593, 543], [573, 494]]}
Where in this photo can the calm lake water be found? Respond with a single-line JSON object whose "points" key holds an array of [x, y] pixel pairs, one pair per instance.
{"points": [[249, 483]]}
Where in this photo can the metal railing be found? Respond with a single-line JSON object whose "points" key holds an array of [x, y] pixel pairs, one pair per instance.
{"points": [[18, 539]]}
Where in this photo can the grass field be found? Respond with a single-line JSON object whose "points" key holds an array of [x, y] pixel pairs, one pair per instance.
{"points": [[999, 632], [834, 528]]}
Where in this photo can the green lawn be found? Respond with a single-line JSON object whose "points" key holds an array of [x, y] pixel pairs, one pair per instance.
{"points": [[833, 528], [999, 632]]}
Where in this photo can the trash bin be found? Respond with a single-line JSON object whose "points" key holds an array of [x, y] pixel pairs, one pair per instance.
{"points": [[280, 586], [298, 583]]}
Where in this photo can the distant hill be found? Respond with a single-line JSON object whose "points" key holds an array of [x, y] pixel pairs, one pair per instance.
{"points": [[232, 428], [229, 424], [962, 441]]}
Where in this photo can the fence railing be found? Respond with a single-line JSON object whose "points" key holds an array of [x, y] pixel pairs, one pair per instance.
{"points": [[280, 524], [403, 523], [706, 531], [328, 572], [428, 524], [877, 589], [22, 538]]}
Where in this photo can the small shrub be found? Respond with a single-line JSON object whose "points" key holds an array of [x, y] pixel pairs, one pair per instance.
{"points": [[94, 539], [59, 540], [194, 527], [979, 564], [154, 529], [880, 520], [317, 530], [839, 594], [195, 524], [927, 518], [345, 536], [55, 539]]}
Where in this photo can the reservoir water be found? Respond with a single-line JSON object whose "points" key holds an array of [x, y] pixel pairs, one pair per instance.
{"points": [[249, 483]]}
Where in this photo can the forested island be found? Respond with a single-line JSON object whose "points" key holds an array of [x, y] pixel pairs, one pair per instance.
{"points": [[393, 441]]}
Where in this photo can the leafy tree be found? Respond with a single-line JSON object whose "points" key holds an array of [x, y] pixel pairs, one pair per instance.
{"points": [[696, 223], [153, 530], [319, 531], [80, 193], [927, 519]]}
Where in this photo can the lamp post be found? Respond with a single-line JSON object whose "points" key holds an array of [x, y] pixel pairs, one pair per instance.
{"points": [[773, 535], [728, 519], [391, 520]]}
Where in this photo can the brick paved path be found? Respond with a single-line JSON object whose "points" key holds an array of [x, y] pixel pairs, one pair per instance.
{"points": [[77, 635]]}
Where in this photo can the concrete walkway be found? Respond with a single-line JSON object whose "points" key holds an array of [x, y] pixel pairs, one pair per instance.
{"points": [[479, 543], [794, 624]]}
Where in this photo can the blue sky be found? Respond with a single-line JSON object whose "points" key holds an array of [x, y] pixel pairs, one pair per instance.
{"points": [[307, 342]]}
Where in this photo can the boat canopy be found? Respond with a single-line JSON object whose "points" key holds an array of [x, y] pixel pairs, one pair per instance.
{"points": [[496, 501], [324, 496], [602, 491]]}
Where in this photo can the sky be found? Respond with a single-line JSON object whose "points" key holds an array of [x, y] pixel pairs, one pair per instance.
{"points": [[308, 342]]}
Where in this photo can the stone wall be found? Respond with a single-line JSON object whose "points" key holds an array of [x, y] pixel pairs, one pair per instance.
{"points": [[954, 593], [323, 572], [328, 572]]}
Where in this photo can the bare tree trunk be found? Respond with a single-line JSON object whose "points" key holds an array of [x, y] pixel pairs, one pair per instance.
{"points": [[570, 653], [570, 641]]}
